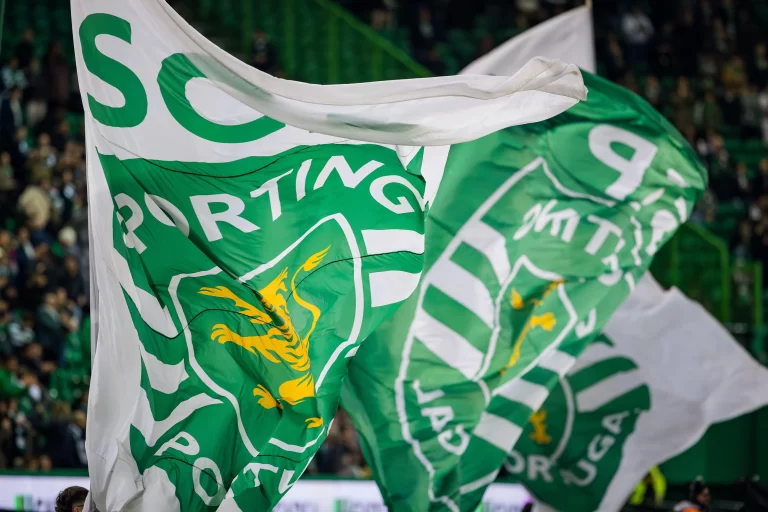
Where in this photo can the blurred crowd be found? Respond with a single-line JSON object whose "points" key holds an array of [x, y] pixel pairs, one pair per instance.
{"points": [[43, 263]]}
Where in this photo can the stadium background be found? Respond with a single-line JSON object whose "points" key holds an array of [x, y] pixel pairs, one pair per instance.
{"points": [[705, 66]]}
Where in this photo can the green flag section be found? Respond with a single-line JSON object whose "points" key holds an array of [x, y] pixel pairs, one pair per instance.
{"points": [[646, 390], [535, 237], [245, 242]]}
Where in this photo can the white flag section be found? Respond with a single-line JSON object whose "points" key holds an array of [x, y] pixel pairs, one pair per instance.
{"points": [[568, 37], [155, 90], [696, 372]]}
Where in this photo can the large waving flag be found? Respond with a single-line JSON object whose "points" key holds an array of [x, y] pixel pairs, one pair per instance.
{"points": [[244, 244], [646, 390], [535, 237]]}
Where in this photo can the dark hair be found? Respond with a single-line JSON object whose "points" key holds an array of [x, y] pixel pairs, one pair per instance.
{"points": [[695, 488], [70, 497]]}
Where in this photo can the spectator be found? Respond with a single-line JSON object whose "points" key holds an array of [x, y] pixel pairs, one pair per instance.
{"points": [[760, 64], [615, 63], [58, 75], [698, 499], [424, 34], [11, 113], [683, 103], [25, 51], [71, 499], [263, 53], [13, 76], [734, 76], [652, 91], [709, 115], [638, 32], [751, 113]]}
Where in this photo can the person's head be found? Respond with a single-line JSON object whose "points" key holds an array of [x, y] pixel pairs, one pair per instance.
{"points": [[46, 464], [33, 352], [71, 499], [688, 17], [760, 49], [698, 493], [71, 265], [80, 418], [13, 63], [709, 96], [15, 94], [682, 84], [425, 15], [741, 169], [21, 134], [5, 159], [51, 299], [67, 236], [259, 35], [29, 35], [44, 140]]}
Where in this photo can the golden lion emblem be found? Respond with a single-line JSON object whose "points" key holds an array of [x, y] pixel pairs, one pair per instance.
{"points": [[546, 321], [539, 434], [281, 344]]}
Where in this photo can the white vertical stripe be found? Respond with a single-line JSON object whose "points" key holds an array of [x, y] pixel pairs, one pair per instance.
{"points": [[524, 392], [446, 344], [383, 241], [498, 431], [432, 168], [392, 286], [465, 288], [490, 242], [607, 390], [165, 378], [558, 362]]}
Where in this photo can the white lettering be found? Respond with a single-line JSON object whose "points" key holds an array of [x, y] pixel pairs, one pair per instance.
{"points": [[539, 465], [587, 326], [166, 213], [190, 448], [270, 187], [301, 180], [631, 170], [604, 229], [402, 205], [439, 417], [612, 422], [544, 217], [599, 447], [349, 178], [457, 449], [255, 467], [201, 464], [515, 463], [424, 397], [132, 224], [663, 222], [208, 219], [590, 473], [285, 481]]}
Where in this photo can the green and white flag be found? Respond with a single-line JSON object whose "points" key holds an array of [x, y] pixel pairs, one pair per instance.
{"points": [[535, 237], [663, 371], [245, 243]]}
